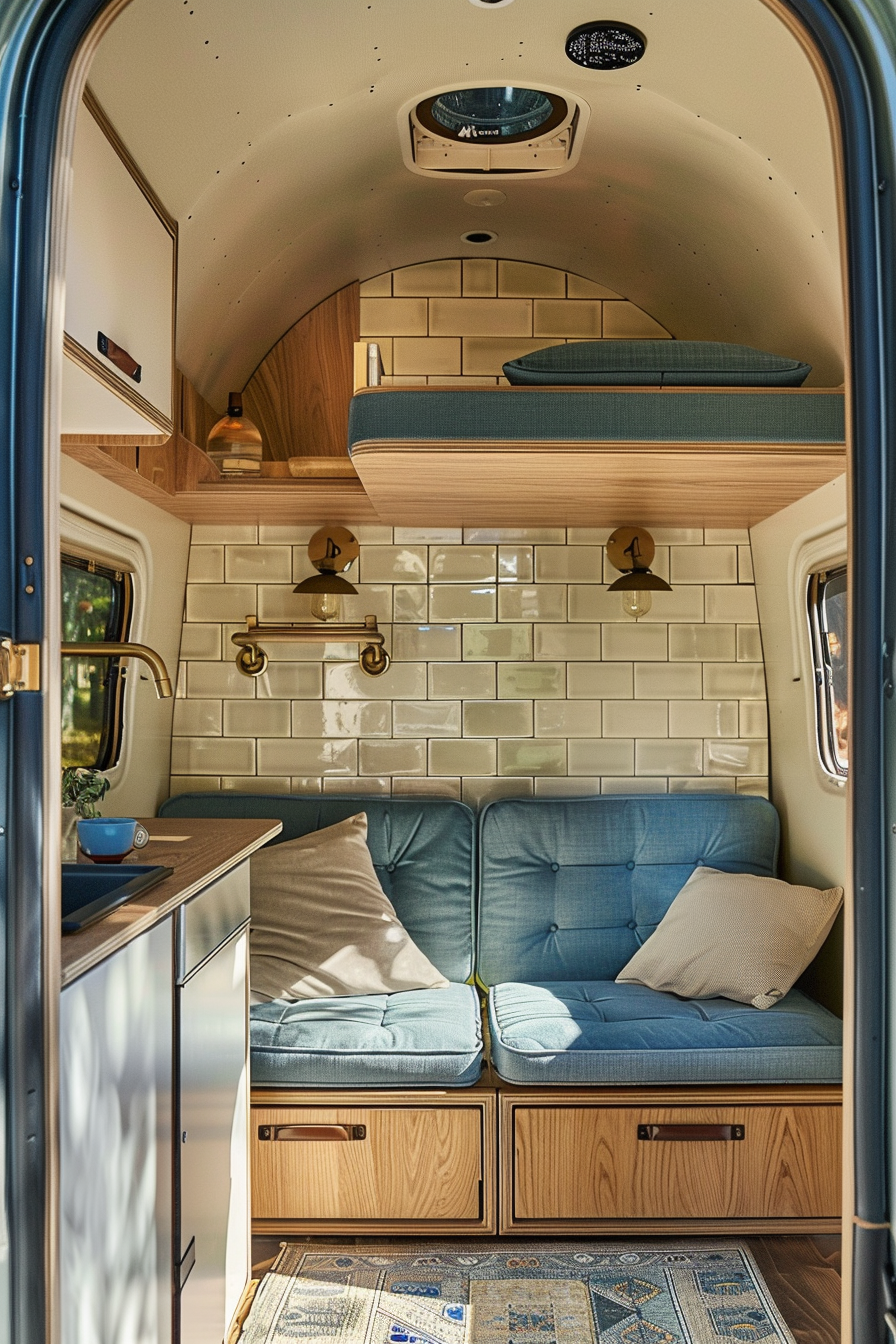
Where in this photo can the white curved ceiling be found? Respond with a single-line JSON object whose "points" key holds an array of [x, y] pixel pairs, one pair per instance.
{"points": [[705, 191]]}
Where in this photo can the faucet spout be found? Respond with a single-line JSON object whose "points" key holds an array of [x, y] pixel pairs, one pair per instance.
{"points": [[99, 649]]}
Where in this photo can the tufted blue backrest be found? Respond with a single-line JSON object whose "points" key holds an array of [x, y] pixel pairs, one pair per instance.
{"points": [[422, 849], [570, 888]]}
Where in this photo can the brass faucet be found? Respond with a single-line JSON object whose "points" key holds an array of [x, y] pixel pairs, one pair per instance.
{"points": [[98, 649]]}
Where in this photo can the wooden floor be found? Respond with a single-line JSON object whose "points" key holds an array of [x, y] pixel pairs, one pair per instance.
{"points": [[802, 1273], [803, 1276]]}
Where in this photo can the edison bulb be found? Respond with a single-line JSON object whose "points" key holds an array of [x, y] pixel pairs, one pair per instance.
{"points": [[636, 602], [325, 606]]}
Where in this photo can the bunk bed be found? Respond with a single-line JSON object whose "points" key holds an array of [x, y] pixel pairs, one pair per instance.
{"points": [[726, 453]]}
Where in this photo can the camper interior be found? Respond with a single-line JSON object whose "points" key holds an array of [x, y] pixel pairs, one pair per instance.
{"points": [[313, 255]]}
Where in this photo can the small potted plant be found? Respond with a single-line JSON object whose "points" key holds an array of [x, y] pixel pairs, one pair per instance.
{"points": [[82, 789]]}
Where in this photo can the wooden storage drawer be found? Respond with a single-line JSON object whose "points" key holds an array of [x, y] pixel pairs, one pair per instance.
{"points": [[382, 1164], [588, 1163]]}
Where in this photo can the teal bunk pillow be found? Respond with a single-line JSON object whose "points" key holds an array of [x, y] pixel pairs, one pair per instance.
{"points": [[655, 364]]}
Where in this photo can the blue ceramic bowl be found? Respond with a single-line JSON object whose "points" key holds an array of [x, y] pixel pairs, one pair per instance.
{"points": [[108, 839]]}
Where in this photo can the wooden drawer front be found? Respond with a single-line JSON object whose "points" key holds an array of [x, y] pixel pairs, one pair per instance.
{"points": [[410, 1164], [588, 1163]]}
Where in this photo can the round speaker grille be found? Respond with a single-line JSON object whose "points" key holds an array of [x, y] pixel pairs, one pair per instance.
{"points": [[605, 45]]}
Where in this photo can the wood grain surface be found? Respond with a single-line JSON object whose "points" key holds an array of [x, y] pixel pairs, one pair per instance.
{"points": [[300, 393], [415, 1163], [213, 847], [483, 484], [803, 1276], [588, 1163]]}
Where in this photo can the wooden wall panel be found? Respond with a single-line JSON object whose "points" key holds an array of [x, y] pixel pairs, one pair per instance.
{"points": [[197, 417], [299, 394]]}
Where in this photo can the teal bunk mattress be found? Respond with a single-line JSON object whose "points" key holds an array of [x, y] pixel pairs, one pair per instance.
{"points": [[596, 415]]}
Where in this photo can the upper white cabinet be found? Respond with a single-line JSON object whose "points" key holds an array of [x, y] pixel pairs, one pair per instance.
{"points": [[120, 292]]}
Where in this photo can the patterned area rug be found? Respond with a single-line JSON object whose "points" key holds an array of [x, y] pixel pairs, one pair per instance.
{"points": [[559, 1293]]}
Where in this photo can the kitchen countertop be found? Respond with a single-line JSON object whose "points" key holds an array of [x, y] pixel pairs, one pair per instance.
{"points": [[199, 849]]}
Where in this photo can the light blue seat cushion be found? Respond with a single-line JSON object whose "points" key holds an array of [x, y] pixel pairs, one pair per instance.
{"points": [[421, 1038], [570, 888], [422, 849], [593, 1032]]}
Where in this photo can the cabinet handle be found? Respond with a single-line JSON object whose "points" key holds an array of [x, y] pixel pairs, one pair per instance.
{"points": [[120, 358], [312, 1133], [691, 1133]]}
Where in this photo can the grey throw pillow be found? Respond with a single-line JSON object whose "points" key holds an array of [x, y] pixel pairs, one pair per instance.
{"points": [[732, 934], [323, 927]]}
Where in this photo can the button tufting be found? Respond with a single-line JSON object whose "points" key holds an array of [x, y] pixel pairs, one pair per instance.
{"points": [[632, 924], [555, 867], [630, 865], [390, 867], [552, 928]]}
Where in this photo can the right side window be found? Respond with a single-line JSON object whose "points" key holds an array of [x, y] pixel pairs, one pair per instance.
{"points": [[828, 624]]}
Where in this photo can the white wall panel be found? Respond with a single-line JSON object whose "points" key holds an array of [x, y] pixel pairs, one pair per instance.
{"points": [[119, 268], [813, 807]]}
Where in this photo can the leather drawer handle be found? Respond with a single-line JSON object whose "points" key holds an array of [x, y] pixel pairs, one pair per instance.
{"points": [[312, 1133], [690, 1133], [119, 357]]}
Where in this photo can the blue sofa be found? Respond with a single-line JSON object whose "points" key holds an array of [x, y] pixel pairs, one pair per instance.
{"points": [[424, 854], [543, 901]]}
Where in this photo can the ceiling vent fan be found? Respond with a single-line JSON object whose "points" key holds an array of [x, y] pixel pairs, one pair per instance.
{"points": [[501, 129]]}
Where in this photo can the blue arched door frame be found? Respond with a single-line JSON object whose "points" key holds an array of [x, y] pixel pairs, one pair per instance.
{"points": [[38, 42]]}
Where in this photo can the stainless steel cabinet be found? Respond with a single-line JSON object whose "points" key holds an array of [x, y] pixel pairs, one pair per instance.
{"points": [[116, 1045], [212, 1259]]}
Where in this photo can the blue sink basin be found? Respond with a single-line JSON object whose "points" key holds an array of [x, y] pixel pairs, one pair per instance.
{"points": [[89, 893]]}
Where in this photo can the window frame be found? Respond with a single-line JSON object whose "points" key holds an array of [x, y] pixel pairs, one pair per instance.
{"points": [[115, 679], [823, 672]]}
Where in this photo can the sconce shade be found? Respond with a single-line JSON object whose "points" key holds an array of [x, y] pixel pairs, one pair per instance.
{"points": [[325, 583], [639, 580]]}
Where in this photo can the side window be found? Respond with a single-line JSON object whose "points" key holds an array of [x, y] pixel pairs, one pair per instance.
{"points": [[828, 624], [96, 607]]}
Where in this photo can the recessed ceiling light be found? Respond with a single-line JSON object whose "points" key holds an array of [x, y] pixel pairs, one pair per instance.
{"points": [[478, 236], [491, 4], [485, 197]]}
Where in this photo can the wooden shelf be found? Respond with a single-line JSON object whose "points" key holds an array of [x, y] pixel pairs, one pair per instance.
{"points": [[474, 483], [481, 484], [180, 479]]}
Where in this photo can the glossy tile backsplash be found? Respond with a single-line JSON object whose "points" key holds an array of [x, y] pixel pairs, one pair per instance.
{"points": [[514, 670]]}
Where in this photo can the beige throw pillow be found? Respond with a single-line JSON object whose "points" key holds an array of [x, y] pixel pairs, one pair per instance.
{"points": [[731, 934], [322, 926]]}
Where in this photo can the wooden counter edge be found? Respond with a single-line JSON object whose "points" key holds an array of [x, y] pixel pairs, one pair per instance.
{"points": [[145, 914]]}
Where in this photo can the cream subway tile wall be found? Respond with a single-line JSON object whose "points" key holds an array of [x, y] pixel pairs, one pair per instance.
{"points": [[514, 671], [457, 322]]}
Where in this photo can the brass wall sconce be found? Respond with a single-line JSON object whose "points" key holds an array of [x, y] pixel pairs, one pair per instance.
{"points": [[330, 549], [631, 549]]}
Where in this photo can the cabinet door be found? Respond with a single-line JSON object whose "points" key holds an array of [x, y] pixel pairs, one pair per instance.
{"points": [[213, 1148], [120, 265], [116, 1039]]}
